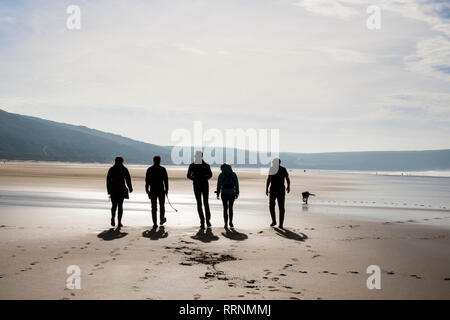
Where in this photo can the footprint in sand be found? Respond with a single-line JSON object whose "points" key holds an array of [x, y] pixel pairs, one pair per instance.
{"points": [[275, 279], [447, 279], [282, 275], [2, 276], [390, 272], [353, 272], [34, 263], [294, 298], [415, 276], [197, 296], [315, 256]]}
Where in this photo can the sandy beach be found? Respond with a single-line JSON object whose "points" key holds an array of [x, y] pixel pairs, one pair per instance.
{"points": [[57, 215]]}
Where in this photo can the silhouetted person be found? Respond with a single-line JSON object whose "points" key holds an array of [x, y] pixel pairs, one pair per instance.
{"points": [[157, 186], [305, 196], [275, 179], [200, 172], [117, 176], [228, 186]]}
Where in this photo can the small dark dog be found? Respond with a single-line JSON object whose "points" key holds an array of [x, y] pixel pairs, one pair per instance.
{"points": [[305, 196]]}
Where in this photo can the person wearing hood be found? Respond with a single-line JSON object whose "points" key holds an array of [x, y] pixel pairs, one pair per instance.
{"points": [[228, 186], [117, 176]]}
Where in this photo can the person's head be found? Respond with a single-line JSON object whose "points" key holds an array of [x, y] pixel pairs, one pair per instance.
{"points": [[276, 162], [226, 168], [118, 160], [156, 159], [198, 156]]}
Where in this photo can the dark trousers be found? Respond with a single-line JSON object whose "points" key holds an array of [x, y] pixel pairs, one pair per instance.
{"points": [[279, 196], [117, 204], [202, 191], [154, 198], [228, 201]]}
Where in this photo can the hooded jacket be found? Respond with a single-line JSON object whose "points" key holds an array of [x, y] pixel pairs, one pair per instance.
{"points": [[227, 177]]}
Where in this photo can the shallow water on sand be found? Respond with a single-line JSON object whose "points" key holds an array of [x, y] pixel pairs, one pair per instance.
{"points": [[422, 200]]}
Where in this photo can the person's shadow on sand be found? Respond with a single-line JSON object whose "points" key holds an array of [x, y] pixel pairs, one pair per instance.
{"points": [[234, 235], [155, 234], [111, 234], [285, 233], [207, 236]]}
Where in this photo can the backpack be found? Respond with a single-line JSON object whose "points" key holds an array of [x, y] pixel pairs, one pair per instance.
{"points": [[228, 181]]}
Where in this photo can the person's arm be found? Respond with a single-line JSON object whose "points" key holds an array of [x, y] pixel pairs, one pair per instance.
{"points": [[147, 181], [269, 179], [288, 182], [128, 180], [236, 181], [208, 172], [190, 173], [219, 184], [166, 181], [108, 182]]}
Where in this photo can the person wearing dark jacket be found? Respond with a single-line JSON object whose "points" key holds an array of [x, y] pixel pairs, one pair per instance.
{"points": [[157, 187], [228, 187], [200, 172], [275, 179], [117, 176]]}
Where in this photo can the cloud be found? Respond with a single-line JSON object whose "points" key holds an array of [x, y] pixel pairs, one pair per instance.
{"points": [[6, 19], [346, 55], [190, 49], [328, 8], [432, 58]]}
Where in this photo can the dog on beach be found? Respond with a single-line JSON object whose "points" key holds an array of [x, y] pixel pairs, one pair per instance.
{"points": [[305, 196]]}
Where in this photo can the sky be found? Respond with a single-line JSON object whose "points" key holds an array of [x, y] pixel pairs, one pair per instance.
{"points": [[310, 68]]}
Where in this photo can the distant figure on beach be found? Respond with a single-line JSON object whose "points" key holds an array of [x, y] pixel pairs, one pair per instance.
{"points": [[228, 186], [117, 176], [306, 195], [157, 187], [200, 172], [275, 180]]}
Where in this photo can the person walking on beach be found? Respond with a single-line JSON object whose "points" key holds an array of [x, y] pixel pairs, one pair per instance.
{"points": [[228, 186], [157, 187], [275, 179], [117, 176], [200, 172]]}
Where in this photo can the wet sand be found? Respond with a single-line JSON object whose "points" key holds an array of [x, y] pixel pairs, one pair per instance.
{"points": [[54, 216]]}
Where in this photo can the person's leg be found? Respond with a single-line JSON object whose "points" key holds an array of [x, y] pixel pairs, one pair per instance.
{"points": [[113, 211], [280, 199], [153, 199], [225, 211], [272, 197], [198, 198], [230, 210], [205, 193], [162, 210], [119, 212]]}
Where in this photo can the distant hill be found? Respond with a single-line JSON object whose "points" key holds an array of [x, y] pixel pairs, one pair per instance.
{"points": [[31, 138]]}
